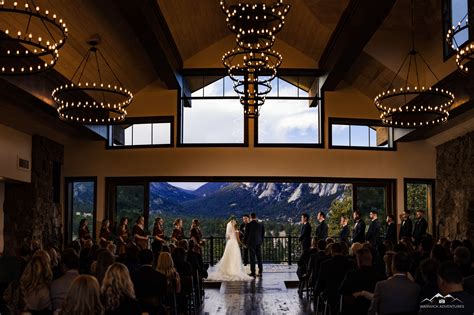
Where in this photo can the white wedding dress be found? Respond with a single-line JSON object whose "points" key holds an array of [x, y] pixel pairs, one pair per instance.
{"points": [[229, 268]]}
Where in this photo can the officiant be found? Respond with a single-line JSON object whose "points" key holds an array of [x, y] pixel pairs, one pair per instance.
{"points": [[245, 221]]}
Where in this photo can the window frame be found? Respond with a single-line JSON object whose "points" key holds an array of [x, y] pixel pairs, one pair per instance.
{"points": [[446, 14], [425, 181], [68, 228], [142, 120], [358, 122]]}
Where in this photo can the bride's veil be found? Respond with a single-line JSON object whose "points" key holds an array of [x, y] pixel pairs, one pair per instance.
{"points": [[230, 232]]}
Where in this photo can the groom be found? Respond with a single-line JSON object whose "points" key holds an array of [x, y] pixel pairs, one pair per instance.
{"points": [[253, 238]]}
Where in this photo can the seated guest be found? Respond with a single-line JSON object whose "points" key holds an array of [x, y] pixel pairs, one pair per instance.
{"points": [[55, 265], [194, 257], [139, 235], [331, 274], [105, 233], [117, 292], [303, 261], [182, 266], [462, 258], [60, 287], [428, 270], [397, 294], [130, 259], [363, 278], [86, 257], [178, 233], [104, 260], [450, 283], [165, 266], [149, 284], [315, 261], [439, 253], [83, 298], [156, 247]]}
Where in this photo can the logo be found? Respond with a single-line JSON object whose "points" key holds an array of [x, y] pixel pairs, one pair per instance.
{"points": [[442, 302]]}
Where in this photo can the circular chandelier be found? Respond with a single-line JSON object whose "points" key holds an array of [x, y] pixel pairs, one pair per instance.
{"points": [[464, 53], [33, 46], [252, 64], [397, 105], [92, 102]]}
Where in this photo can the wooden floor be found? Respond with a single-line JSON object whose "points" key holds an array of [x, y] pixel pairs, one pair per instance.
{"points": [[275, 293]]}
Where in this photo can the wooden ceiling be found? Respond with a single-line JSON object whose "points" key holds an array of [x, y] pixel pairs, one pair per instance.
{"points": [[196, 25]]}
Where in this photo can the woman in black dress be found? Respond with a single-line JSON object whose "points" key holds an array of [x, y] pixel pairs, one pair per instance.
{"points": [[178, 232], [159, 230]]}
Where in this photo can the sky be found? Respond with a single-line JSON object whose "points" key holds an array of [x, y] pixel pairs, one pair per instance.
{"points": [[187, 185]]}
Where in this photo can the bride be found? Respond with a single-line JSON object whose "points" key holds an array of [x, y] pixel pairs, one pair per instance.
{"points": [[230, 268]]}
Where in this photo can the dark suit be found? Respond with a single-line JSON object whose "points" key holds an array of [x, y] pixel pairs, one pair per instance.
{"points": [[305, 237], [405, 229], [373, 232], [150, 286], [254, 233], [358, 233], [419, 230], [344, 234], [391, 233], [395, 295], [244, 249], [322, 230]]}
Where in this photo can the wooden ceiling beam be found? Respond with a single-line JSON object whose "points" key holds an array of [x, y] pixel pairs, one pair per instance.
{"points": [[360, 20], [149, 25]]}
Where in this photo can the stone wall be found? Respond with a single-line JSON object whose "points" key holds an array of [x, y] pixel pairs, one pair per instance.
{"points": [[455, 187], [32, 211]]}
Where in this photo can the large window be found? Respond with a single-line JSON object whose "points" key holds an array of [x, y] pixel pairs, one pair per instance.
{"points": [[454, 12], [142, 132], [213, 115], [419, 195], [81, 196], [359, 134]]}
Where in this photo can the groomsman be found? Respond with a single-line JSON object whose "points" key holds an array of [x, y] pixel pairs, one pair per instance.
{"points": [[373, 232], [245, 221], [344, 234], [358, 233], [305, 233], [391, 230], [322, 229], [406, 226], [420, 227]]}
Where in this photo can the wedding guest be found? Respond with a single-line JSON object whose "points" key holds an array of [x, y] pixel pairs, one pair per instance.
{"points": [[139, 234], [117, 292], [344, 234], [104, 235], [55, 263], [123, 235], [159, 230], [358, 232], [60, 287], [195, 233], [83, 298], [178, 233], [305, 233], [245, 250], [406, 225], [34, 286], [83, 232], [104, 260], [165, 266], [391, 234], [419, 231], [322, 228], [373, 233]]}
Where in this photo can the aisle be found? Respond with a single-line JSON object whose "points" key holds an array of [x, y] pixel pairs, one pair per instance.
{"points": [[274, 293]]}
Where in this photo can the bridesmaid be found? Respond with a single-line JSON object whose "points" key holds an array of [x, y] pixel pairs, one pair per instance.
{"points": [[84, 233], [139, 234], [104, 236], [195, 233], [123, 235], [159, 230], [178, 232]]}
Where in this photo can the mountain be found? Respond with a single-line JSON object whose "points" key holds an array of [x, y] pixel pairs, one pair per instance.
{"points": [[209, 188], [164, 196], [269, 200]]}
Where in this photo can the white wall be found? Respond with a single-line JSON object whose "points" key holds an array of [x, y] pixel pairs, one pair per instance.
{"points": [[14, 144]]}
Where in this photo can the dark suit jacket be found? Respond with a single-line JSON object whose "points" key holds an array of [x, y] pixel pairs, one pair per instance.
{"points": [[254, 233], [344, 234], [419, 231], [322, 230], [373, 232], [357, 280], [148, 283], [395, 295], [405, 229], [358, 233], [331, 274], [305, 236], [391, 233]]}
